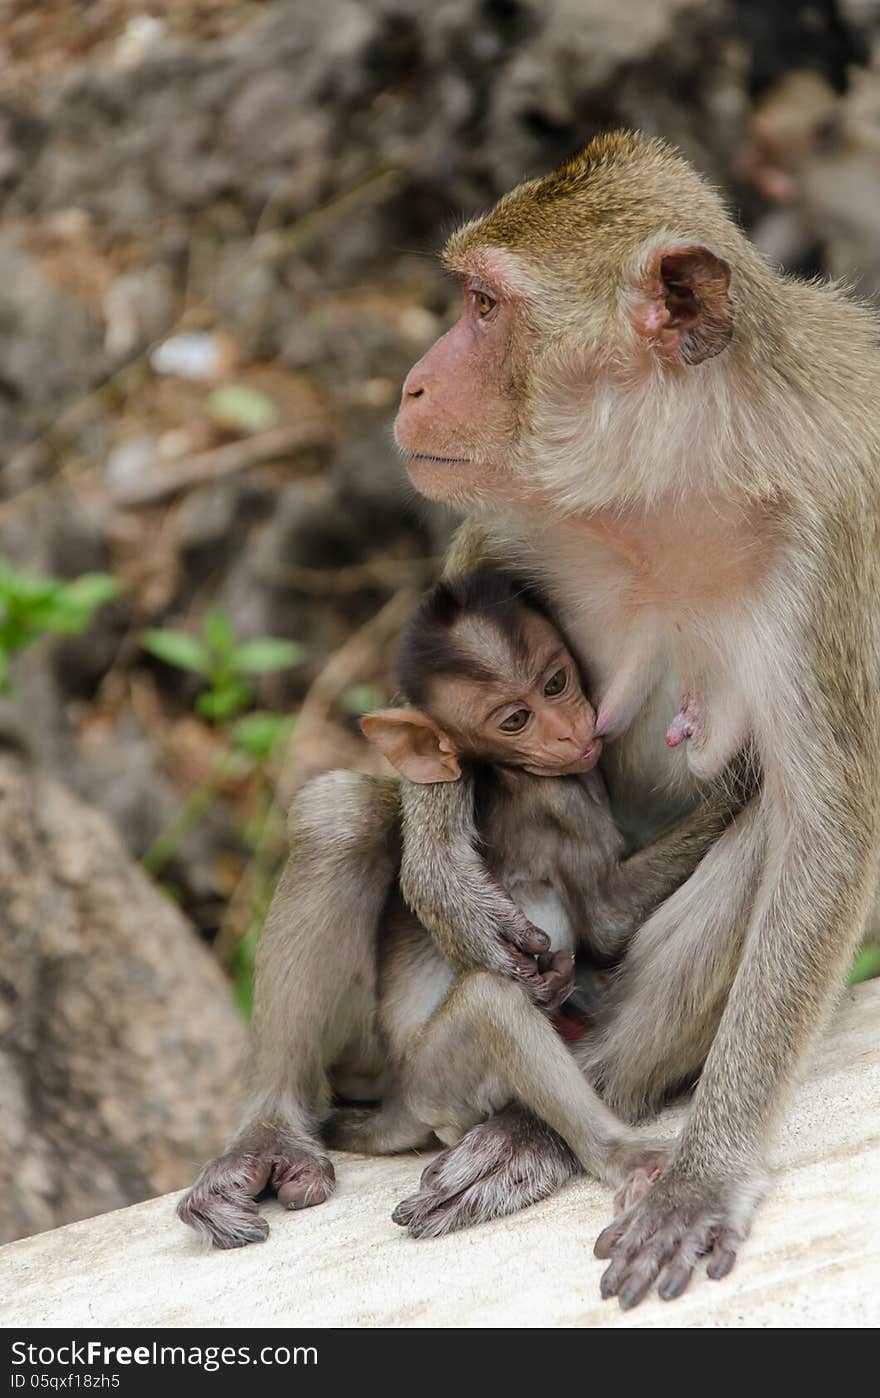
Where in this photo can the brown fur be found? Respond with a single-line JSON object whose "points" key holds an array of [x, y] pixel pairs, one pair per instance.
{"points": [[705, 528], [445, 1050], [701, 528]]}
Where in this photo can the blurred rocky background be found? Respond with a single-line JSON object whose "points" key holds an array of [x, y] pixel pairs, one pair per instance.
{"points": [[216, 265]]}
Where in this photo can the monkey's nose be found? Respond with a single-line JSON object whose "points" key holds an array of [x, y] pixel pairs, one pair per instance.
{"points": [[414, 386]]}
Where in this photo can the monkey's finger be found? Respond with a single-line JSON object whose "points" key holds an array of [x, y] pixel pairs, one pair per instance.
{"points": [[525, 937], [561, 976], [433, 1171], [644, 1268], [221, 1207], [407, 1209], [302, 1180], [724, 1252], [609, 1237], [524, 967], [612, 1277], [695, 1243], [547, 988], [675, 1279], [557, 988]]}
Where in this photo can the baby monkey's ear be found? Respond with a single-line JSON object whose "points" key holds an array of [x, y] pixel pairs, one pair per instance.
{"points": [[413, 744]]}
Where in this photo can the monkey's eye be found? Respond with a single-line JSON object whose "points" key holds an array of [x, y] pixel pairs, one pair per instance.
{"points": [[556, 683], [515, 723], [484, 303]]}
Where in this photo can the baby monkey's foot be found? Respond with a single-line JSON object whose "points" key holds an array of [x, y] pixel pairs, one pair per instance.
{"points": [[222, 1204], [686, 722]]}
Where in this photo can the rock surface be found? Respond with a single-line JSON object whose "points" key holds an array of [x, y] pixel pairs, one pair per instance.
{"points": [[813, 1258], [119, 1044]]}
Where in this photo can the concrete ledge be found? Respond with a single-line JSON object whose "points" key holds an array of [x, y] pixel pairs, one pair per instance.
{"points": [[813, 1259]]}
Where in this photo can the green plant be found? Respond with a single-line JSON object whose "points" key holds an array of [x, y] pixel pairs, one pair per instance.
{"points": [[253, 742], [32, 606], [866, 964], [223, 662]]}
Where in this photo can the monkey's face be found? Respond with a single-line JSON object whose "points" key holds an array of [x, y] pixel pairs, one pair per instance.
{"points": [[583, 318], [458, 415], [532, 713]]}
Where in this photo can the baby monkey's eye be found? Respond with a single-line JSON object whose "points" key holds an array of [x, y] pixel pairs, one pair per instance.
{"points": [[516, 722], [556, 683], [484, 303]]}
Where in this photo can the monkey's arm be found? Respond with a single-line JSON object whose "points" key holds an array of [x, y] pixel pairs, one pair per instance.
{"points": [[818, 807], [637, 885], [447, 885]]}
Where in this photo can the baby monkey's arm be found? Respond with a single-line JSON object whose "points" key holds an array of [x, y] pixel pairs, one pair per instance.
{"points": [[445, 881]]}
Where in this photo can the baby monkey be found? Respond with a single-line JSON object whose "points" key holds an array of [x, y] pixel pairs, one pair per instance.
{"points": [[496, 702]]}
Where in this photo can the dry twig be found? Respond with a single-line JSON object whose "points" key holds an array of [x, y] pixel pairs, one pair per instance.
{"points": [[223, 461]]}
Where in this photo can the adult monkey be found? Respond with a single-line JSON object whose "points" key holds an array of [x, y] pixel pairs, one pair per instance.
{"points": [[682, 446]]}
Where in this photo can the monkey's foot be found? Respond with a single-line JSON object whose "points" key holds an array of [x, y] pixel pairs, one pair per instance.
{"points": [[501, 1166], [686, 721], [222, 1204], [669, 1229]]}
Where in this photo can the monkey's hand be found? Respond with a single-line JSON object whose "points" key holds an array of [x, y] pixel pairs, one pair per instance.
{"points": [[677, 1221], [548, 979], [446, 883]]}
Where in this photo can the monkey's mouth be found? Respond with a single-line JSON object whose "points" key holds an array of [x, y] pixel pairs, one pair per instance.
{"points": [[588, 758], [585, 763], [591, 755], [439, 460]]}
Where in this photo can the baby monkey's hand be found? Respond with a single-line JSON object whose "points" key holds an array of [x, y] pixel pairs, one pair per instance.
{"points": [[548, 978]]}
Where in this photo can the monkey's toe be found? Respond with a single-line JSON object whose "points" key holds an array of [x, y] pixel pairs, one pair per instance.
{"points": [[223, 1222], [302, 1180]]}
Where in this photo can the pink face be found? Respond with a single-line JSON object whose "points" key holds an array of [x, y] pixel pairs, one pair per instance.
{"points": [[457, 419], [467, 406]]}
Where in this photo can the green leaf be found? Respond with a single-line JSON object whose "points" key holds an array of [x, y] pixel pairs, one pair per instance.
{"points": [[866, 964], [260, 733], [241, 409], [361, 698], [218, 633], [178, 648], [225, 701], [29, 589], [61, 615], [264, 655], [91, 591]]}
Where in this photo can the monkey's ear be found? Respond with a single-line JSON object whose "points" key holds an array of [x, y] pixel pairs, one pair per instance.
{"points": [[684, 305], [413, 744]]}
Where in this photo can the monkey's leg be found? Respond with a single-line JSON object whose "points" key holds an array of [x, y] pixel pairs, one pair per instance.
{"points": [[800, 933], [661, 1017], [485, 1045], [388, 1129], [314, 1000], [688, 952]]}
